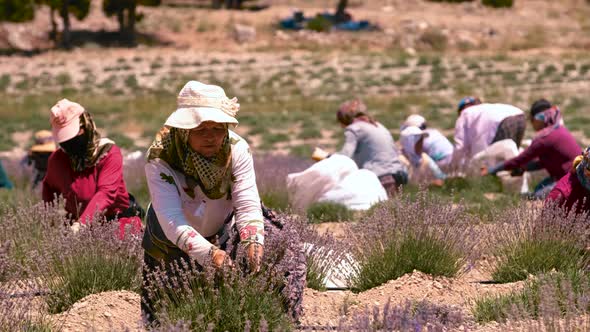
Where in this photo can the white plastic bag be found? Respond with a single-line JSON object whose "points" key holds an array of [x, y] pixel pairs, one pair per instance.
{"points": [[307, 187], [335, 179], [501, 151], [497, 152], [358, 191]]}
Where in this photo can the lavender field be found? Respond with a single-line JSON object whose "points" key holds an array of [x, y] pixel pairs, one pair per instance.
{"points": [[471, 255]]}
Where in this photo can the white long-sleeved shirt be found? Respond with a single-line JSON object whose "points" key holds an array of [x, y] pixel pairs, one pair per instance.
{"points": [[477, 125], [186, 221]]}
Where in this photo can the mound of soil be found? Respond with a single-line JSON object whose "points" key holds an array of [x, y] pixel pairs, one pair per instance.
{"points": [[108, 311], [327, 308]]}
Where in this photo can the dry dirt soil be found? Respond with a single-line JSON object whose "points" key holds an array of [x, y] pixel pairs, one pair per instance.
{"points": [[120, 310]]}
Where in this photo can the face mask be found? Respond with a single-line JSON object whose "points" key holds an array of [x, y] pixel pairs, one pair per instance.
{"points": [[76, 146]]}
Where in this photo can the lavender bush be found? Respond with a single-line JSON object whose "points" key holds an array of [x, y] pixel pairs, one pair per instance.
{"points": [[552, 295], [91, 261], [328, 211], [26, 228], [16, 316], [539, 239], [471, 193], [405, 234], [411, 316], [19, 310], [271, 174], [231, 300]]}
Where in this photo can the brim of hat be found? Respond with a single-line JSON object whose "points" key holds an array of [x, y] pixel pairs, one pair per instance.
{"points": [[188, 118], [411, 132], [67, 132], [46, 147]]}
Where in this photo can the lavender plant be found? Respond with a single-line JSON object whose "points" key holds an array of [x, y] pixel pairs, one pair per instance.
{"points": [[27, 228], [407, 234], [271, 174], [411, 316], [18, 312], [551, 295], [328, 211], [91, 261], [231, 300], [539, 239]]}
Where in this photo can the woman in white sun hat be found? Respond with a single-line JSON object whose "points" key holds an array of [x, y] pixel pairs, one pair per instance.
{"points": [[423, 167], [433, 142], [202, 184]]}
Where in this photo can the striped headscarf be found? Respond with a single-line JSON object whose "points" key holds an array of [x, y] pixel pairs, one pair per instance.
{"points": [[96, 147], [213, 175]]}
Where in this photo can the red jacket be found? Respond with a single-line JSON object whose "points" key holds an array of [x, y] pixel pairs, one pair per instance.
{"points": [[569, 191], [98, 188], [555, 153]]}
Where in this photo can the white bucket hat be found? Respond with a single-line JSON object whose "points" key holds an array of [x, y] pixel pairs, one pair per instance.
{"points": [[412, 131], [414, 120], [198, 102]]}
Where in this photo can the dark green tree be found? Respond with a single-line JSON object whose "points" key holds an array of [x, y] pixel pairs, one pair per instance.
{"points": [[498, 3], [17, 10], [78, 8], [229, 4], [126, 13]]}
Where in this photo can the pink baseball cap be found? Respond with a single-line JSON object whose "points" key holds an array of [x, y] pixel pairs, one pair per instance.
{"points": [[65, 120]]}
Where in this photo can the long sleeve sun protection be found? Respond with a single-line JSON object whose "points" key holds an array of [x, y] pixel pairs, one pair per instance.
{"points": [[372, 147], [100, 188], [187, 215], [477, 125]]}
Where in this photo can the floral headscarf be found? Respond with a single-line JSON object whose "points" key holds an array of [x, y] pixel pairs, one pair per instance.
{"points": [[213, 175], [582, 163], [551, 117], [96, 147]]}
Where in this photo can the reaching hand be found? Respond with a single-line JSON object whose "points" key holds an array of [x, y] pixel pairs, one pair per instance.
{"points": [[219, 258], [484, 171], [438, 182], [255, 252]]}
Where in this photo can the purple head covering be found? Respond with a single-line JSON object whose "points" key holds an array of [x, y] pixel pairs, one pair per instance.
{"points": [[551, 117]]}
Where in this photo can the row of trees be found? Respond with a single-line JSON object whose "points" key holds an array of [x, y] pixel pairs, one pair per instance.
{"points": [[124, 10]]}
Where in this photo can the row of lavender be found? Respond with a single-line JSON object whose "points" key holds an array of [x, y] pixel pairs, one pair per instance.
{"points": [[40, 256]]}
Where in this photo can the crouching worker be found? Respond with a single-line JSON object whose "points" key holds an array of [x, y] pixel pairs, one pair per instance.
{"points": [[553, 148], [202, 185], [39, 155], [87, 171], [573, 190], [423, 166], [371, 145]]}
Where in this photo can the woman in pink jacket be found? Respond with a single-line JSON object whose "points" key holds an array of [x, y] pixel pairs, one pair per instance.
{"points": [[87, 170], [573, 190]]}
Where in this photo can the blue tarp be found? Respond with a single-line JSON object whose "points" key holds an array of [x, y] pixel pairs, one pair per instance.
{"points": [[299, 22]]}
